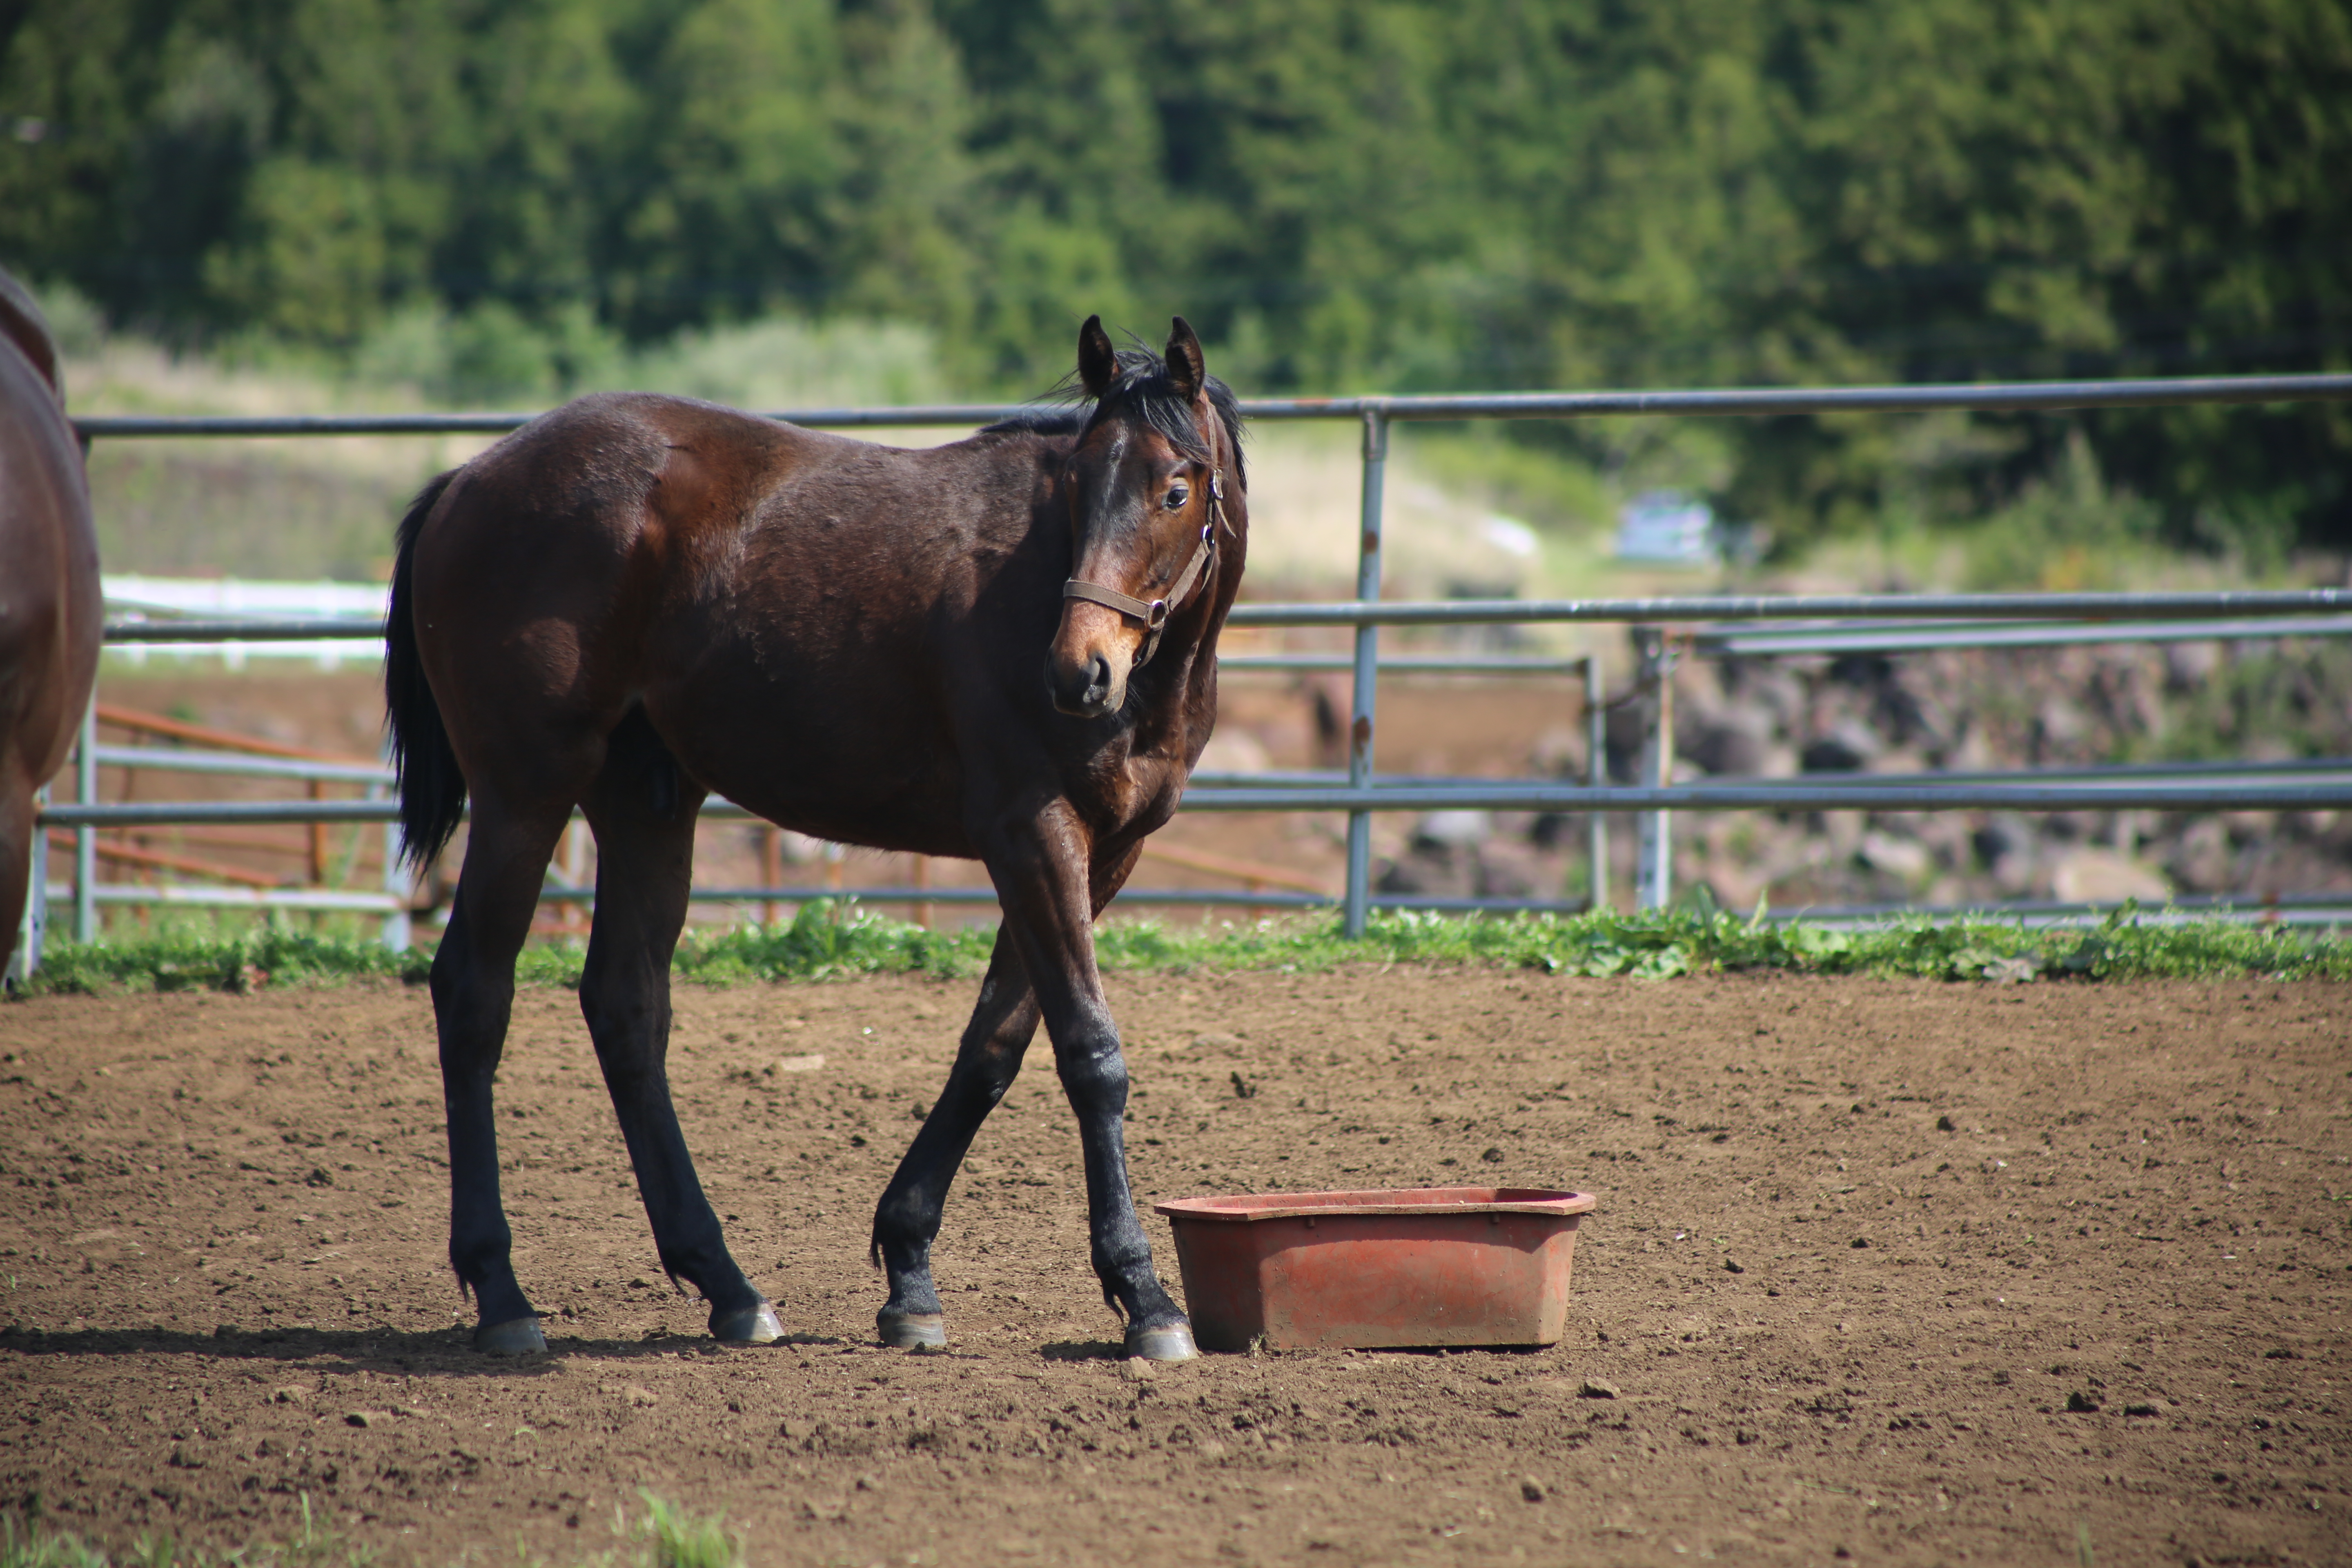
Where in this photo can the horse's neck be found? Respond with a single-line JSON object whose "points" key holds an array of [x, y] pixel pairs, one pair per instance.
{"points": [[1193, 700]]}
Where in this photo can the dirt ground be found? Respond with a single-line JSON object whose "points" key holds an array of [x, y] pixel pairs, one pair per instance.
{"points": [[1887, 1272]]}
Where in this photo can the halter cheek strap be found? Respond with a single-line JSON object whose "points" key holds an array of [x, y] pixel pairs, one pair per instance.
{"points": [[1153, 613]]}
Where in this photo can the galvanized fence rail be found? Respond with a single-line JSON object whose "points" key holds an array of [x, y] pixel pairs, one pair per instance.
{"points": [[1664, 628]]}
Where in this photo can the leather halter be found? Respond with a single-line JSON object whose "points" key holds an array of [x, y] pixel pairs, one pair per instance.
{"points": [[1153, 613]]}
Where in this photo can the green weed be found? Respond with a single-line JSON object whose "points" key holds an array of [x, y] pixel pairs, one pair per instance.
{"points": [[200, 959], [664, 1536], [830, 939], [33, 1543], [673, 1537]]}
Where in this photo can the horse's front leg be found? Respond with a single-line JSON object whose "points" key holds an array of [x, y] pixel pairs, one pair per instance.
{"points": [[907, 1220], [1050, 896]]}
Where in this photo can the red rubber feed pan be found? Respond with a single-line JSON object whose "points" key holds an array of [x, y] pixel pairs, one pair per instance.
{"points": [[1417, 1266]]}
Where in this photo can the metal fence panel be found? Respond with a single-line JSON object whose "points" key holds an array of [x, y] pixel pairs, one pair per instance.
{"points": [[2049, 620], [2044, 396]]}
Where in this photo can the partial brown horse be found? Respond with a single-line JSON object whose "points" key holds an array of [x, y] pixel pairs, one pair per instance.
{"points": [[50, 608], [1003, 649]]}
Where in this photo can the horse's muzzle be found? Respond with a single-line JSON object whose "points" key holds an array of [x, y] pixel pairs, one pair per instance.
{"points": [[1088, 687], [1088, 661]]}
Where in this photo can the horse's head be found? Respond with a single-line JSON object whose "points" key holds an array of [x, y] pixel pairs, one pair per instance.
{"points": [[1151, 485]]}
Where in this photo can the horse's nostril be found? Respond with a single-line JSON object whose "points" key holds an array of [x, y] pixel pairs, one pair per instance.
{"points": [[1082, 687]]}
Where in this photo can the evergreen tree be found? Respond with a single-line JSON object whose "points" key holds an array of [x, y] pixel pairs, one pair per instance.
{"points": [[1346, 193]]}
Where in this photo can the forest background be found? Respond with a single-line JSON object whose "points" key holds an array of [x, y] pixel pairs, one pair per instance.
{"points": [[500, 201]]}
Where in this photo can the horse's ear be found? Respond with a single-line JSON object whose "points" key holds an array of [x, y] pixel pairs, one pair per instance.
{"points": [[1097, 361], [1187, 369]]}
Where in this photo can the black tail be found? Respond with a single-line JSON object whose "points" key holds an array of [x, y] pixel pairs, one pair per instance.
{"points": [[432, 788]]}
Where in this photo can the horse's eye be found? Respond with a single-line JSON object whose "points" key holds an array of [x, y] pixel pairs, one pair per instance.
{"points": [[1177, 497]]}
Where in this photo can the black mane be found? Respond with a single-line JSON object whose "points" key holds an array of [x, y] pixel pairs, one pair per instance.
{"points": [[1141, 390], [1040, 421]]}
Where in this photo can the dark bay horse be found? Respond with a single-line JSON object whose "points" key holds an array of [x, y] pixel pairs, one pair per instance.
{"points": [[50, 607], [1003, 649]]}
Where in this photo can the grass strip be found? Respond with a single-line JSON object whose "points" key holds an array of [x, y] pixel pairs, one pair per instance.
{"points": [[663, 1535], [835, 939]]}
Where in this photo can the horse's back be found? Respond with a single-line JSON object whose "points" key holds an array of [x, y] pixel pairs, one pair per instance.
{"points": [[878, 605], [21, 323], [621, 462], [632, 508], [702, 564], [51, 608], [607, 555]]}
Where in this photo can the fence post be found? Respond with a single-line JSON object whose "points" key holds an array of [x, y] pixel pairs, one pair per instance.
{"points": [[1654, 878], [1366, 695], [86, 837], [397, 936], [1596, 775]]}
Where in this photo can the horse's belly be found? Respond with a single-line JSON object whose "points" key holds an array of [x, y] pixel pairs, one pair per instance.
{"points": [[911, 817], [820, 756]]}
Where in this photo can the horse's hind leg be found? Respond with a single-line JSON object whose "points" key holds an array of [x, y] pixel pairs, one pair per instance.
{"points": [[473, 995], [907, 1221], [644, 816], [16, 830]]}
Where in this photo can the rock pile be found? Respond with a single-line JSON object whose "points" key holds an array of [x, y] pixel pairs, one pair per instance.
{"points": [[1968, 710]]}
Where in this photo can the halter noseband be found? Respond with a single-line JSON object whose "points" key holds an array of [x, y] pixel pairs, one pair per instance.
{"points": [[1153, 613]]}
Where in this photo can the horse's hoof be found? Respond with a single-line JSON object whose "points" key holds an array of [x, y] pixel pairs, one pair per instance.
{"points": [[515, 1336], [747, 1326], [1170, 1342], [912, 1330]]}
